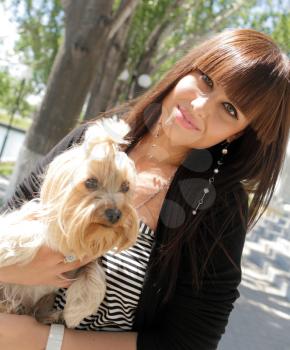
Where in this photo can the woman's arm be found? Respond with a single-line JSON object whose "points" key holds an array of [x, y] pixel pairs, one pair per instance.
{"points": [[25, 333], [75, 340], [47, 268]]}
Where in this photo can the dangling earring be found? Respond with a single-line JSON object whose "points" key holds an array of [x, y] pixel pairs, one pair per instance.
{"points": [[211, 179]]}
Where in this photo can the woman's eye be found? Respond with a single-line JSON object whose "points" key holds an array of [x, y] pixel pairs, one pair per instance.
{"points": [[207, 80], [124, 187], [92, 183], [231, 109]]}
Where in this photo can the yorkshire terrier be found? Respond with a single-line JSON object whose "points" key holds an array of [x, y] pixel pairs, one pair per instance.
{"points": [[84, 209]]}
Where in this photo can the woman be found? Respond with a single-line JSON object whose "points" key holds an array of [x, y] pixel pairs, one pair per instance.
{"points": [[211, 132]]}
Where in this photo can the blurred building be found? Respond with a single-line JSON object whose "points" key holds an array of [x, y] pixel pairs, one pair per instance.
{"points": [[283, 188]]}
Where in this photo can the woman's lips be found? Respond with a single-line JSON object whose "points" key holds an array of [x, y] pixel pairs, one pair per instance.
{"points": [[187, 123]]}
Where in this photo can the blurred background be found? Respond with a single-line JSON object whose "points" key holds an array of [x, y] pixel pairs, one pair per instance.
{"points": [[62, 62]]}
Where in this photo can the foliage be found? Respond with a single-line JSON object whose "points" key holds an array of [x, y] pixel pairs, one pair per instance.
{"points": [[188, 20], [116, 5], [149, 14], [193, 20], [11, 90], [271, 17], [40, 30], [281, 32], [40, 25]]}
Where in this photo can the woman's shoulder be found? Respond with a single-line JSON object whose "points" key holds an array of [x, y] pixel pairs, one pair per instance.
{"points": [[75, 136], [238, 204], [234, 200], [227, 220]]}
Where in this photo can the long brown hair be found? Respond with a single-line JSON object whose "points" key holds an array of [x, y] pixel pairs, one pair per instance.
{"points": [[255, 75]]}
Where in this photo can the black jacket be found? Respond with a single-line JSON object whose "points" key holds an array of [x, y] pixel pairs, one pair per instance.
{"points": [[192, 320]]}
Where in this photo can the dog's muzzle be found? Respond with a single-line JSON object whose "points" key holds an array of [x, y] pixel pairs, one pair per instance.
{"points": [[113, 214]]}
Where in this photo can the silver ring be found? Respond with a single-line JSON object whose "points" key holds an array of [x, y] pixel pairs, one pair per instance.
{"points": [[69, 259]]}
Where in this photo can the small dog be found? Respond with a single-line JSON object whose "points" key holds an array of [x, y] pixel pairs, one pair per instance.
{"points": [[84, 209]]}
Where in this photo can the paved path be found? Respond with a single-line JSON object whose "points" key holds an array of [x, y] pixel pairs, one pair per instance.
{"points": [[260, 319]]}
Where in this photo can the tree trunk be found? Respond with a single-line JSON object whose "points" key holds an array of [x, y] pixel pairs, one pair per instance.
{"points": [[113, 61], [87, 24]]}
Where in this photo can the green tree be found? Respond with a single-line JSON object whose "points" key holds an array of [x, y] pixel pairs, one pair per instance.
{"points": [[194, 20], [169, 29], [281, 32], [10, 88], [40, 25]]}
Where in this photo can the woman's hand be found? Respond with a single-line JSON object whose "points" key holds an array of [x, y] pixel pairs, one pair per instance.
{"points": [[22, 332], [46, 268]]}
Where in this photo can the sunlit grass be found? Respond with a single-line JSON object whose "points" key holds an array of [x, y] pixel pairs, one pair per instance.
{"points": [[6, 168], [22, 123]]}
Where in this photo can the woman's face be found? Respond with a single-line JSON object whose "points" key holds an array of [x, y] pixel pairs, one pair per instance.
{"points": [[197, 100]]}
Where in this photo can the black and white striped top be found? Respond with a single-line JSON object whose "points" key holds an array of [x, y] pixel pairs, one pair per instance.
{"points": [[125, 273]]}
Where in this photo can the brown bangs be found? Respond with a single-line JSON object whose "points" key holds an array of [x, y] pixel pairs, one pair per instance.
{"points": [[251, 79]]}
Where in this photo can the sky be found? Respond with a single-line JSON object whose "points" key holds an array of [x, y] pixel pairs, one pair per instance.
{"points": [[8, 36]]}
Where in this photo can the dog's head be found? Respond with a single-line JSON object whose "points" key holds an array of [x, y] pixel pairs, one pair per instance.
{"points": [[88, 191]]}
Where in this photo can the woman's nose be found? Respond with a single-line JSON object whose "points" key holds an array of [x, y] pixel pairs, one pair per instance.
{"points": [[200, 105]]}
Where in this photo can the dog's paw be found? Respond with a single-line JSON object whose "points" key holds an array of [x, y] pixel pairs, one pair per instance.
{"points": [[55, 316], [43, 310]]}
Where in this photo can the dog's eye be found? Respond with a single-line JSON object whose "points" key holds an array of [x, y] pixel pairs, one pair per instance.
{"points": [[92, 183], [124, 187]]}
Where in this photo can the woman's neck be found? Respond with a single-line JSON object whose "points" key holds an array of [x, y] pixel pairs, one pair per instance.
{"points": [[161, 150]]}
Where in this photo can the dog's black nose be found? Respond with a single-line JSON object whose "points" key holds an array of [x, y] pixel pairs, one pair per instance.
{"points": [[113, 215]]}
